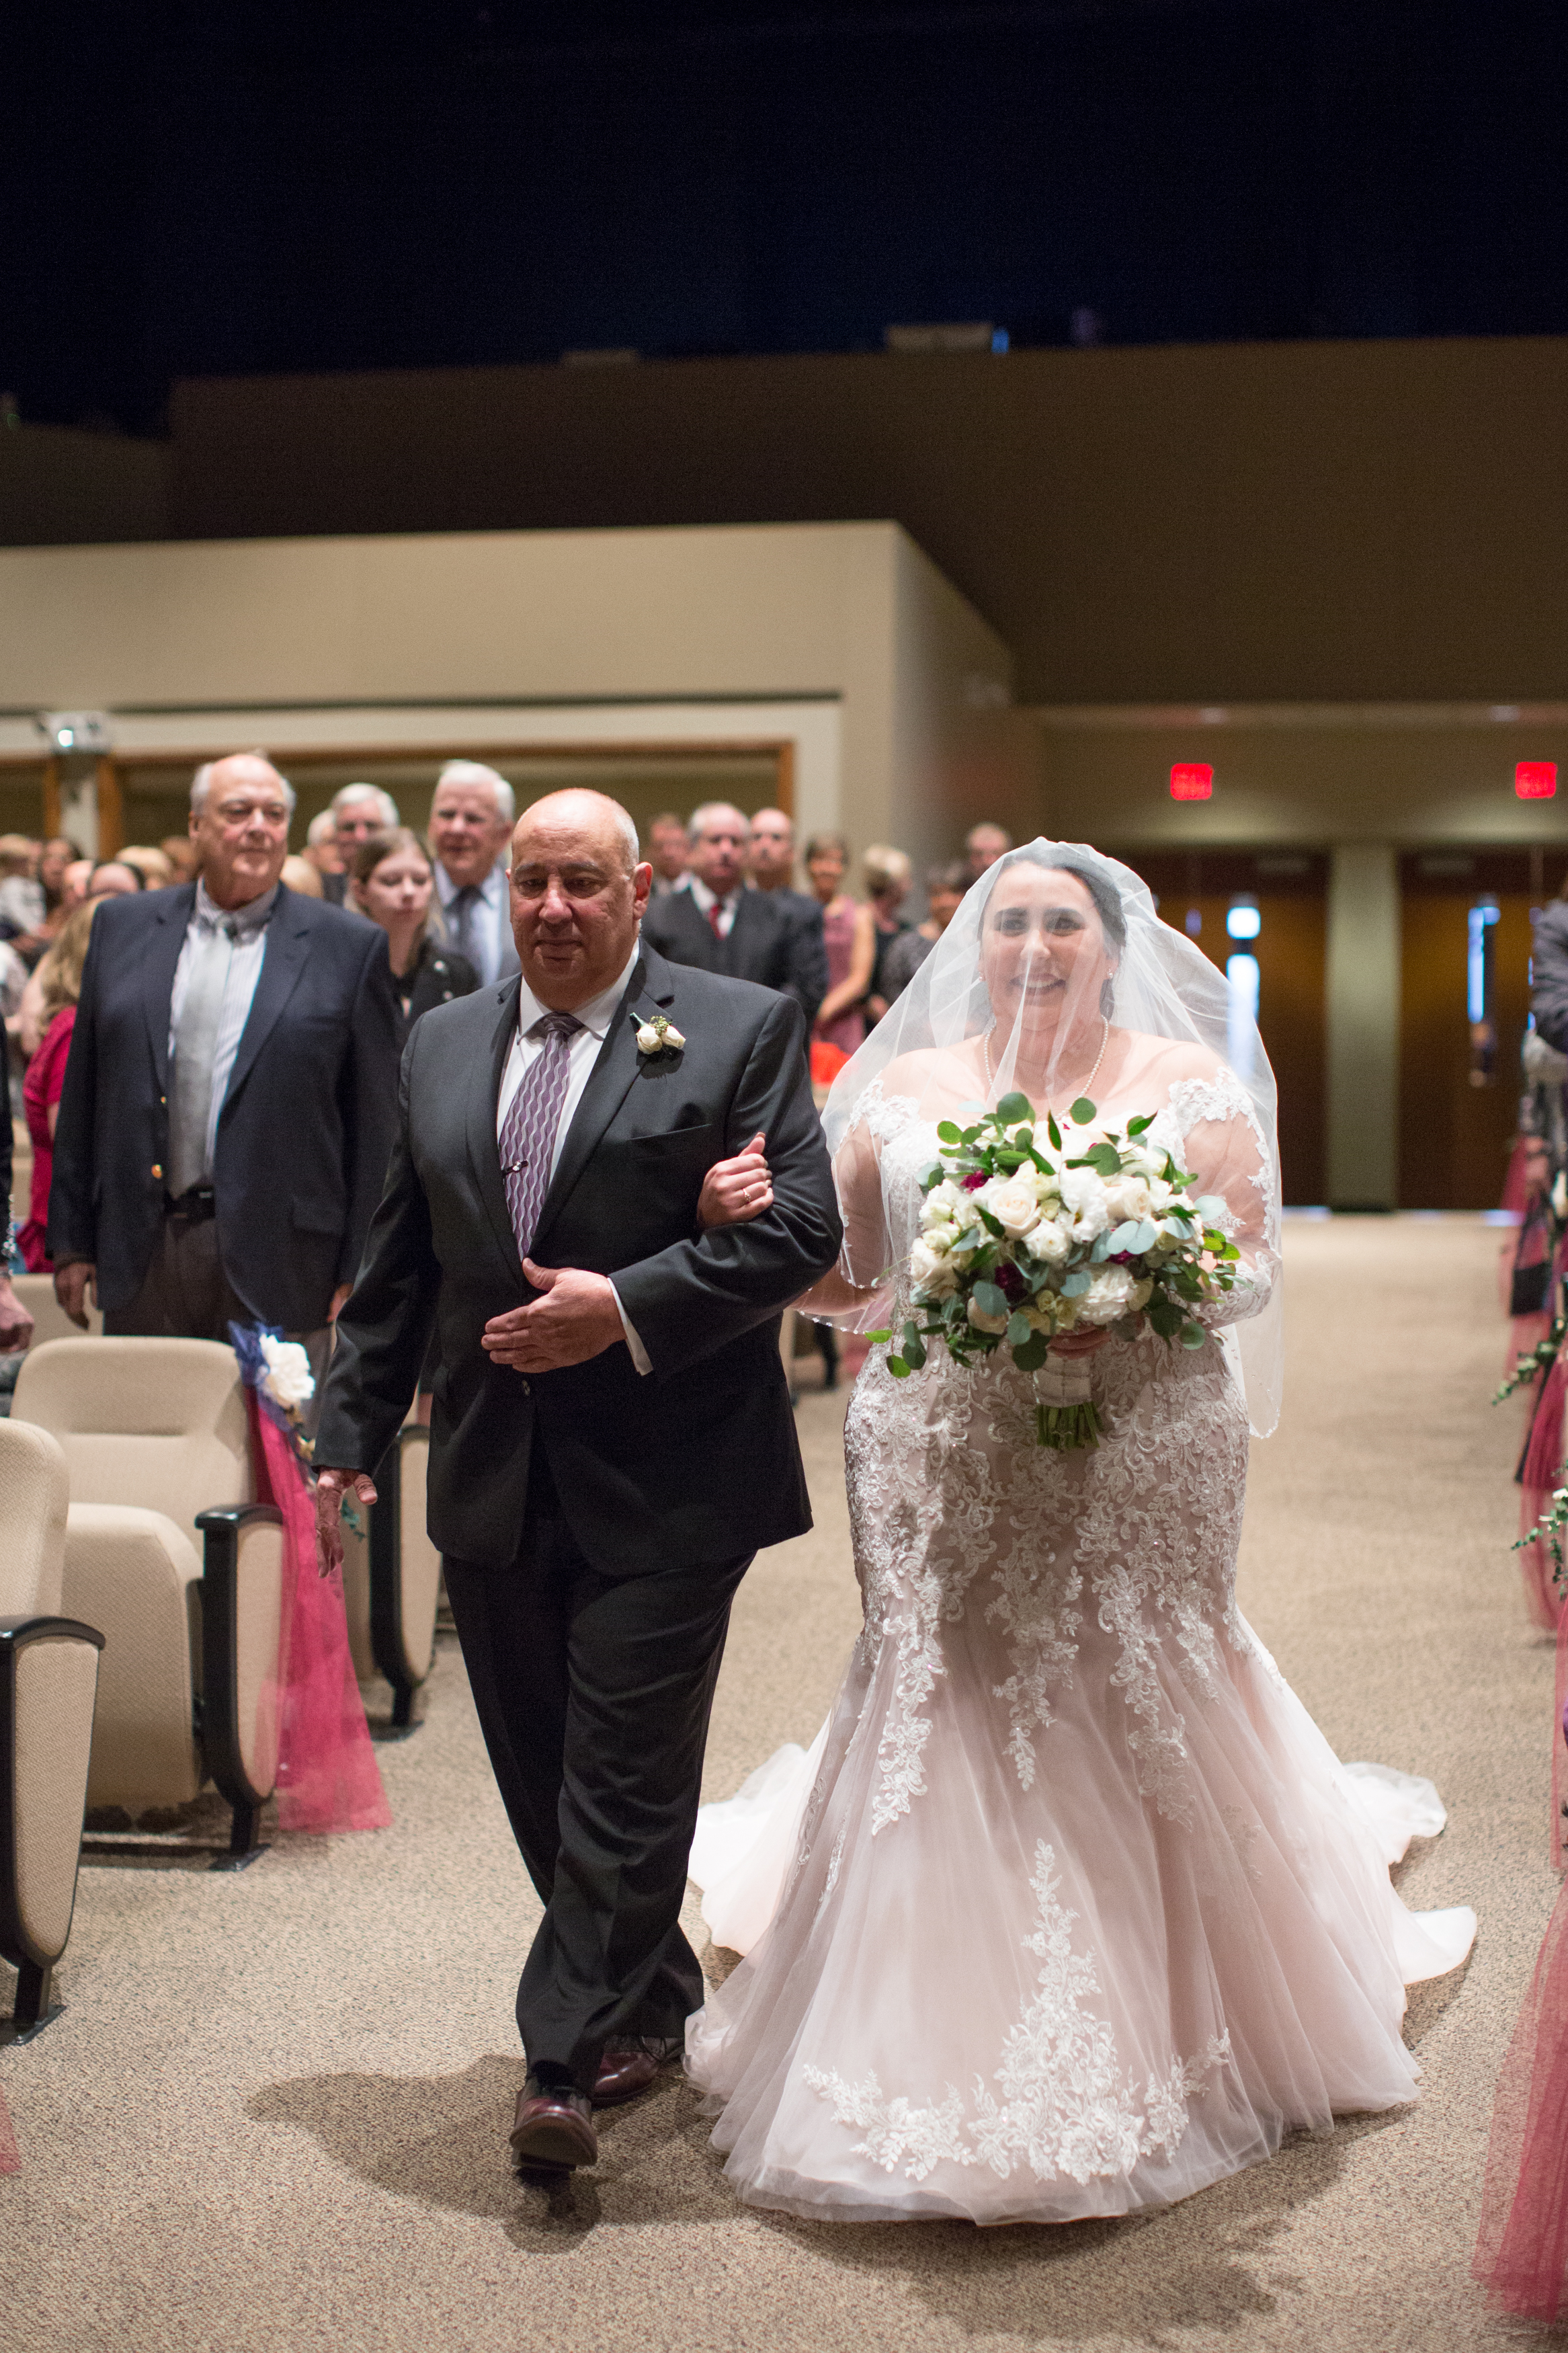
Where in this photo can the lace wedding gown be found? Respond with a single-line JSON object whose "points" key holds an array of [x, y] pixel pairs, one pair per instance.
{"points": [[1079, 1911]]}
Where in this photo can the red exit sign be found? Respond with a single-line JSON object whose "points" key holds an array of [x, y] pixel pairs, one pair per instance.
{"points": [[1192, 780], [1533, 780]]}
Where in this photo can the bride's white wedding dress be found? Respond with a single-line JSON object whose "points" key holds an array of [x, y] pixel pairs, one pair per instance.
{"points": [[1075, 1910]]}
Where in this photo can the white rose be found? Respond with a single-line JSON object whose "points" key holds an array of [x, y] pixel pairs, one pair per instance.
{"points": [[1047, 1242], [941, 1238], [1128, 1199], [649, 1040], [1013, 1203], [1111, 1295], [982, 1323], [944, 1199], [931, 1273], [1083, 1192], [288, 1379]]}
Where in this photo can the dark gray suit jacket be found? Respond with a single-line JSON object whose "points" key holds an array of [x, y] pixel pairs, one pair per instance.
{"points": [[307, 1121], [775, 939], [696, 1461]]}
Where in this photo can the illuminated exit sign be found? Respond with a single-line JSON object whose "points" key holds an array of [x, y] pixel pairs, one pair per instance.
{"points": [[1533, 780], [1193, 780]]}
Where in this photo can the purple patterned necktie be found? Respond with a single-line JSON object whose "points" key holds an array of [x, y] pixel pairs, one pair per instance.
{"points": [[528, 1131]]}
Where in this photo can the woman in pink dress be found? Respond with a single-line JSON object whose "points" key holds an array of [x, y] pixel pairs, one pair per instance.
{"points": [[46, 1079], [851, 940]]}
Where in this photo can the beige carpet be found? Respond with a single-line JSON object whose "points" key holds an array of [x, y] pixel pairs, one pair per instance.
{"points": [[273, 2113]]}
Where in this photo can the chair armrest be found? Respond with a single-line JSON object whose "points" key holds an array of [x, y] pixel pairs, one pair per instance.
{"points": [[242, 1601], [48, 1680], [402, 1588]]}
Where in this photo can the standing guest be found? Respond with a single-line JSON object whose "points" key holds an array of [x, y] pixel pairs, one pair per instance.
{"points": [[231, 1092], [667, 851], [394, 882], [888, 878], [179, 851], [357, 811], [470, 828], [111, 878], [60, 975], [850, 938], [713, 921], [21, 893], [770, 868], [983, 844], [152, 865], [321, 849], [945, 887], [57, 856], [74, 882]]}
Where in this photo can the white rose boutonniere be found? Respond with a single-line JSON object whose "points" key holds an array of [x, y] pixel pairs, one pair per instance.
{"points": [[287, 1379], [658, 1036]]}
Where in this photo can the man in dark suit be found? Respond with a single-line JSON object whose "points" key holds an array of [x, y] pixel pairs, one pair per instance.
{"points": [[710, 918], [611, 1436], [231, 1093]]}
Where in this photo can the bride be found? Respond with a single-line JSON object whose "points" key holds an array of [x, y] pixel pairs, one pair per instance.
{"points": [[1075, 1910]]}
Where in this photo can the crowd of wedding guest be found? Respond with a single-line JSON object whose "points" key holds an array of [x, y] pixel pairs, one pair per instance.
{"points": [[733, 892]]}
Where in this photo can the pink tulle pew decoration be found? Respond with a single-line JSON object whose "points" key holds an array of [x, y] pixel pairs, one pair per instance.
{"points": [[328, 1779]]}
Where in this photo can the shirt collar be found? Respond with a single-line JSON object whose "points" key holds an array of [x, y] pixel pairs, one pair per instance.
{"points": [[704, 897], [252, 917], [447, 889], [596, 1015]]}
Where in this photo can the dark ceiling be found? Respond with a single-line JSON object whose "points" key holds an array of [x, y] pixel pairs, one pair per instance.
{"points": [[221, 186]]}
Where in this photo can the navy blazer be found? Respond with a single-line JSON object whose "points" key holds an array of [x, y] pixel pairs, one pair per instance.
{"points": [[306, 1124], [695, 1462]]}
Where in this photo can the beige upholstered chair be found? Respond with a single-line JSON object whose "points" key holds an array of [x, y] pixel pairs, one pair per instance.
{"points": [[50, 1321], [166, 1552], [392, 1580], [48, 1674]]}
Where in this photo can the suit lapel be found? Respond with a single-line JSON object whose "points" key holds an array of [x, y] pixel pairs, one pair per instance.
{"points": [[283, 962], [169, 925], [484, 1151], [700, 946], [650, 987]]}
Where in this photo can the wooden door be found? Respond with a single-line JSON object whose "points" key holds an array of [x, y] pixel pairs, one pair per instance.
{"points": [[1291, 949], [1458, 1102]]}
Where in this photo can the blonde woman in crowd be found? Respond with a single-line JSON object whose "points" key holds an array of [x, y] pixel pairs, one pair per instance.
{"points": [[392, 880], [889, 875], [850, 937], [59, 985], [153, 866]]}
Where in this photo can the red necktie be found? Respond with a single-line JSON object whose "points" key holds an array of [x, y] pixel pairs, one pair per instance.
{"points": [[715, 918]]}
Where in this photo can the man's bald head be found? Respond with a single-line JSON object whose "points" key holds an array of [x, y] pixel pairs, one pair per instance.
{"points": [[577, 895], [240, 809]]}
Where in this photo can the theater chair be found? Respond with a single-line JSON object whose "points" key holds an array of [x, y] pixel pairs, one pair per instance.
{"points": [[50, 1321], [392, 1577], [48, 1674], [167, 1551]]}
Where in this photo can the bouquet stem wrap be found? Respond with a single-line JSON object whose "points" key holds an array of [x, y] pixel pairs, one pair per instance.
{"points": [[1065, 1417]]}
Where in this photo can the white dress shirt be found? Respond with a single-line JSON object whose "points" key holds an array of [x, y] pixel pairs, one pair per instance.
{"points": [[706, 900], [583, 1053], [246, 928], [496, 955]]}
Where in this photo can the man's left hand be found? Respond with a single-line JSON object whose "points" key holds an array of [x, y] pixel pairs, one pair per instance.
{"points": [[15, 1323], [575, 1318]]}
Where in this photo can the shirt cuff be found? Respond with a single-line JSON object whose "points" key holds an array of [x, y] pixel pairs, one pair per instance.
{"points": [[639, 1354]]}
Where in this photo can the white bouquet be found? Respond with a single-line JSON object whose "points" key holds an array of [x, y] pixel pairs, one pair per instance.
{"points": [[1024, 1235]]}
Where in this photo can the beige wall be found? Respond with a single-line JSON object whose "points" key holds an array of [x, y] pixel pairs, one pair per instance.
{"points": [[284, 639]]}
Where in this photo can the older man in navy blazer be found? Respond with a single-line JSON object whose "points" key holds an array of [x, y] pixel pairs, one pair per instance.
{"points": [[231, 1094]]}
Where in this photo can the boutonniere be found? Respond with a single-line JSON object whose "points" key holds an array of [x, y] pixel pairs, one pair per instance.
{"points": [[658, 1035]]}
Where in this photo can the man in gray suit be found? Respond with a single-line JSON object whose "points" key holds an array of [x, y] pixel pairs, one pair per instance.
{"points": [[611, 1435]]}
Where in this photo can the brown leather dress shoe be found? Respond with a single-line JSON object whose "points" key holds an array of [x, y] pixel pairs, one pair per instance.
{"points": [[552, 2127], [625, 2069]]}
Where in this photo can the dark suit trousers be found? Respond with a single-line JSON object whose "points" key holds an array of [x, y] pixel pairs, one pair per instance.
{"points": [[186, 1294], [593, 1696]]}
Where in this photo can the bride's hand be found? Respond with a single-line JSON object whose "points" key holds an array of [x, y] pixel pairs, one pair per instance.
{"points": [[736, 1191]]}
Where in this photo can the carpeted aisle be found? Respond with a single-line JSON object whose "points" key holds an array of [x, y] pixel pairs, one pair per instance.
{"points": [[273, 2114]]}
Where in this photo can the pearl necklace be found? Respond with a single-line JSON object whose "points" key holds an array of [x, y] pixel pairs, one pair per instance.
{"points": [[1105, 1041]]}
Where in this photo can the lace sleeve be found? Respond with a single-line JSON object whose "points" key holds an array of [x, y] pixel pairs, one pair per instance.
{"points": [[1224, 1147], [873, 1228]]}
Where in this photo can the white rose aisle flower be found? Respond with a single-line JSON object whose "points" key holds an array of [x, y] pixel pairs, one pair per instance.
{"points": [[1024, 1235]]}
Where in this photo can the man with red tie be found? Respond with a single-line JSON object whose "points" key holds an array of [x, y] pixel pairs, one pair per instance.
{"points": [[712, 921]]}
